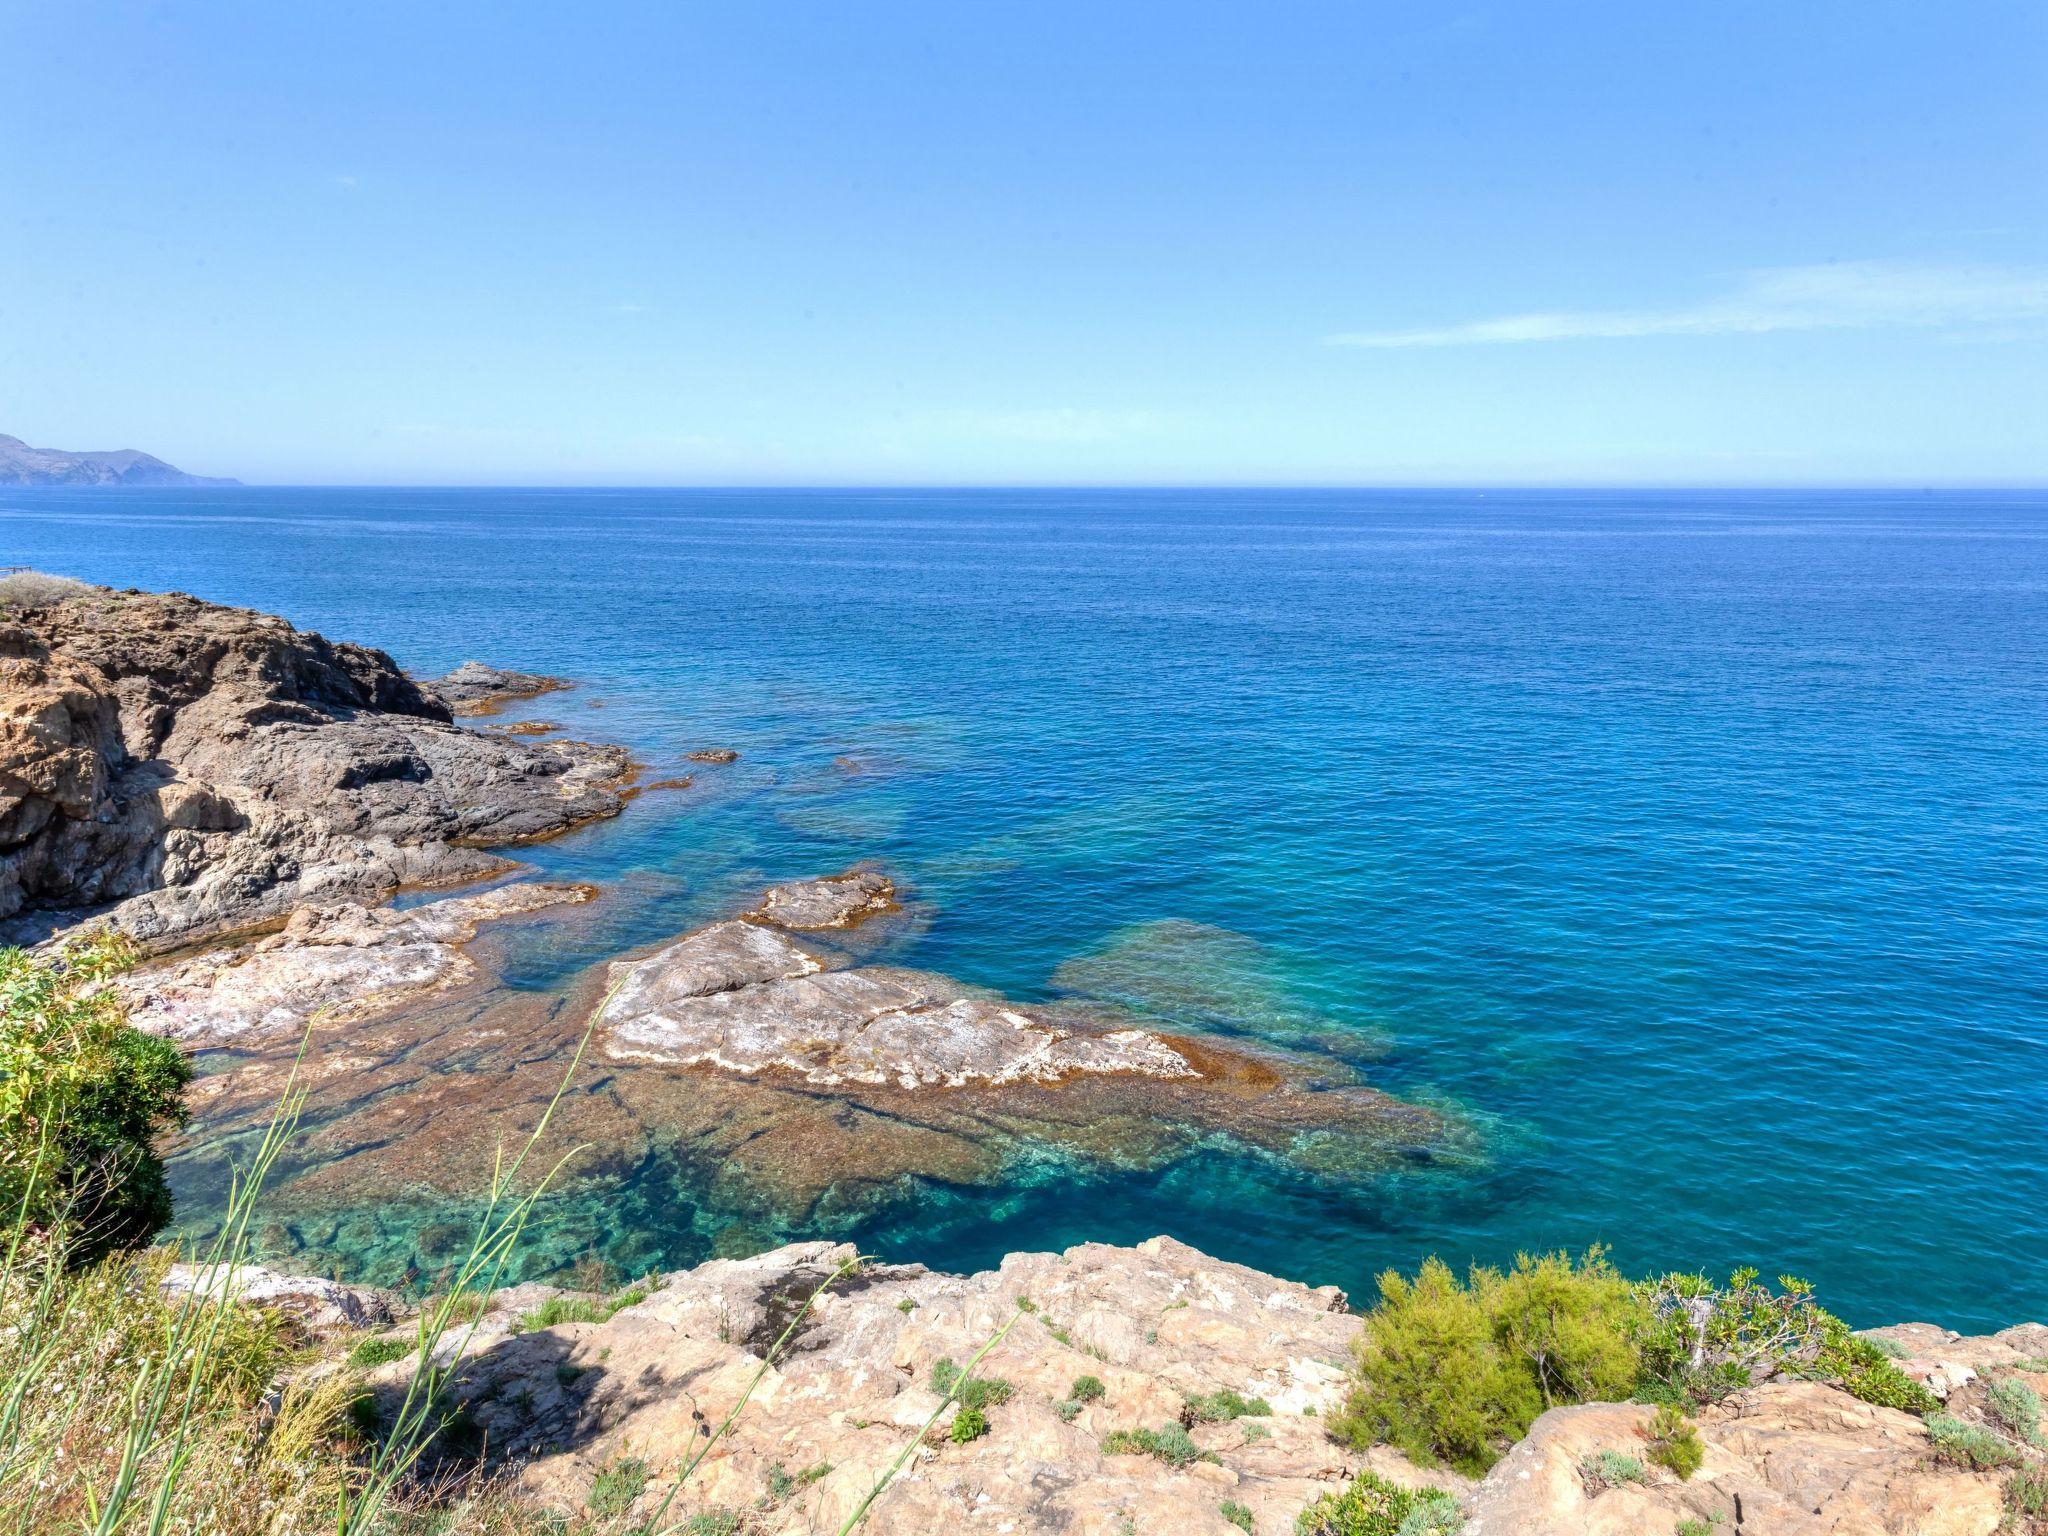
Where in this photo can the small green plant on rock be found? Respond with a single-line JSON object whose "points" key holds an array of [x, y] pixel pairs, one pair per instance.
{"points": [[2018, 1407], [980, 1393], [968, 1424], [1237, 1514], [1087, 1389], [1969, 1445], [1169, 1443], [613, 1490], [1610, 1469], [1372, 1506], [713, 1522], [2026, 1496], [1675, 1443], [1224, 1406], [1693, 1525], [375, 1352]]}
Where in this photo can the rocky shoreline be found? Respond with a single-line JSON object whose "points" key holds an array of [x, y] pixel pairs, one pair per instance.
{"points": [[242, 798], [560, 1390], [184, 770]]}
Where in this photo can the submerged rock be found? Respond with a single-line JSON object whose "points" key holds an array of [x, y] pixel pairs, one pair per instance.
{"points": [[182, 769], [712, 755], [332, 961]]}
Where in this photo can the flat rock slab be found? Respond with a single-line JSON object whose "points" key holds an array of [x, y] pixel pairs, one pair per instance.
{"points": [[477, 689], [743, 997], [334, 961], [839, 901]]}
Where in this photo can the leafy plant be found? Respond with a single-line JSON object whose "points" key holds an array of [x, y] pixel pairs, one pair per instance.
{"points": [[1087, 1389], [1452, 1372], [968, 1424], [1372, 1506], [83, 1096], [1237, 1514]]}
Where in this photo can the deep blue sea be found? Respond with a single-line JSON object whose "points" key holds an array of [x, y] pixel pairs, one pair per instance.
{"points": [[1695, 844]]}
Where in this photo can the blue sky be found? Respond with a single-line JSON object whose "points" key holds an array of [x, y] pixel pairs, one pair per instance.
{"points": [[979, 241]]}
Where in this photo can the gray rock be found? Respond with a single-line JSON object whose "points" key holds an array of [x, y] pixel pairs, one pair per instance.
{"points": [[183, 770], [742, 997], [314, 1302], [477, 689], [840, 901]]}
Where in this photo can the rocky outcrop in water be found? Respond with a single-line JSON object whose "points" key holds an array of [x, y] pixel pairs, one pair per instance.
{"points": [[333, 962], [476, 689], [184, 769]]}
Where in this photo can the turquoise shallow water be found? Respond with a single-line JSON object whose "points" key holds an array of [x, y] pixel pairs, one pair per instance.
{"points": [[1695, 843]]}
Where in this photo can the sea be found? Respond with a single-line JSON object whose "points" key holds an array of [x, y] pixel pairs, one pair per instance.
{"points": [[1690, 847]]}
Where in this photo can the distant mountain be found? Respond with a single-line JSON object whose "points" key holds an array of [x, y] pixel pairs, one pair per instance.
{"points": [[23, 465]]}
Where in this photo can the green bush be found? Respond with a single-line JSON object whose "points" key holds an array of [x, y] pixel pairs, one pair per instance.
{"points": [[1675, 1443], [1087, 1389], [82, 1098], [1860, 1368], [1237, 1514], [968, 1424], [1224, 1406], [1372, 1506], [1170, 1443], [375, 1352], [2026, 1496], [2017, 1406], [1456, 1373], [1969, 1445], [613, 1490]]}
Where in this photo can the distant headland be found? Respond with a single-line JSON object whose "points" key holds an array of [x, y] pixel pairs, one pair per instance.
{"points": [[23, 465]]}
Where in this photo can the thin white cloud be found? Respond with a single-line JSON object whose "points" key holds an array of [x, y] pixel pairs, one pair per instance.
{"points": [[1836, 296]]}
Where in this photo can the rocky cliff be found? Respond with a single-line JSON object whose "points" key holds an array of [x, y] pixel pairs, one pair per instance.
{"points": [[23, 465], [186, 769]]}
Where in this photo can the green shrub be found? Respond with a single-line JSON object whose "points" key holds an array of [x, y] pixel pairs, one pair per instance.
{"points": [[1456, 1373], [1170, 1443], [1372, 1506], [980, 1393], [1969, 1445], [1087, 1389], [1237, 1514], [2026, 1496], [968, 1424], [1224, 1406], [82, 1098], [1675, 1443], [375, 1352], [1860, 1368], [2017, 1406], [1067, 1409], [1610, 1469], [613, 1490]]}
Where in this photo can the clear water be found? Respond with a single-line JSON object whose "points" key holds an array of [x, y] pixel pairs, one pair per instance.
{"points": [[1696, 843]]}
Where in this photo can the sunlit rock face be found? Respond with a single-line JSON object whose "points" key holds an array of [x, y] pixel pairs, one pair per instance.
{"points": [[184, 770]]}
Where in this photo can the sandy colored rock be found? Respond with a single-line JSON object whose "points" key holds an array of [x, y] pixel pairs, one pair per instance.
{"points": [[1783, 1459], [184, 770], [334, 961], [313, 1302]]}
